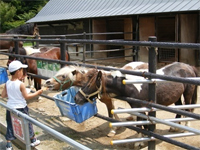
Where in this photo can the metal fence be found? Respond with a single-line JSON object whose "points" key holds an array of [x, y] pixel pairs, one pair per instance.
{"points": [[152, 44], [26, 120]]}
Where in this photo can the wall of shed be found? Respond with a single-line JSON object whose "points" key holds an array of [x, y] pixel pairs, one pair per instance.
{"points": [[99, 26], [128, 27], [146, 29], [188, 34]]}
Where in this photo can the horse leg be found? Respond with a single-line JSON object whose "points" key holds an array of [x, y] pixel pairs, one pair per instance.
{"points": [[190, 96], [173, 129], [30, 84], [140, 135], [108, 102], [37, 83]]}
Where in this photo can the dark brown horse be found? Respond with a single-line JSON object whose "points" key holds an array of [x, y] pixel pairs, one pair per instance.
{"points": [[26, 29], [53, 53], [167, 93]]}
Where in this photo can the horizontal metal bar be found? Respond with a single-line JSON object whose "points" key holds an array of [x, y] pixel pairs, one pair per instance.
{"points": [[165, 108], [116, 42], [144, 109], [145, 139], [167, 123], [143, 74], [131, 123], [139, 81]]}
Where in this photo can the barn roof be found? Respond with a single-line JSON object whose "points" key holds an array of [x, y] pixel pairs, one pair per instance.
{"points": [[57, 10]]}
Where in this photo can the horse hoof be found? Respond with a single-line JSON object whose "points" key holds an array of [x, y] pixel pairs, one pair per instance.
{"points": [[111, 133], [139, 145], [176, 130], [130, 118]]}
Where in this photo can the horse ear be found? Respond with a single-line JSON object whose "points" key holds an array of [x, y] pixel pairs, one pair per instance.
{"points": [[99, 75], [74, 72]]}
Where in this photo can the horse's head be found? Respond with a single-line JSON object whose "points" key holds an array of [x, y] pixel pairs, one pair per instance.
{"points": [[11, 50], [91, 90], [22, 51], [64, 79], [36, 30]]}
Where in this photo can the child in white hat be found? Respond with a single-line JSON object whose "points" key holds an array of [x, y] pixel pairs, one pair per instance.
{"points": [[17, 95]]}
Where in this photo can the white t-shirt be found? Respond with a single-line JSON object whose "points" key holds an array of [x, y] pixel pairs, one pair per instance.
{"points": [[15, 97]]}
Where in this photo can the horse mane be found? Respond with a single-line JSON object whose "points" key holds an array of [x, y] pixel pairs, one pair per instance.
{"points": [[69, 69], [26, 29], [93, 73]]}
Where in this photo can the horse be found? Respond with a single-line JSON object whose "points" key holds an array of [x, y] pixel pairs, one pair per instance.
{"points": [[167, 93], [76, 76], [53, 53], [26, 29], [24, 51]]}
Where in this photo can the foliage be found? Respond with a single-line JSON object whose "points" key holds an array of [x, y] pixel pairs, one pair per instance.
{"points": [[16, 12], [7, 12], [10, 25]]}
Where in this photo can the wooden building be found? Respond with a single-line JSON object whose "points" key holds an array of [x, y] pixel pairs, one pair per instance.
{"points": [[168, 20]]}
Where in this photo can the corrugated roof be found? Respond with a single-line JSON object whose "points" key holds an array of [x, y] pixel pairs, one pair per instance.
{"points": [[56, 10]]}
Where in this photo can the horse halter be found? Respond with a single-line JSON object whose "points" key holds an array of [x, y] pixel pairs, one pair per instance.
{"points": [[62, 83], [86, 96]]}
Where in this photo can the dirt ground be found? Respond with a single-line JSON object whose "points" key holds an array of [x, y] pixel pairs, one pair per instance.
{"points": [[92, 132]]}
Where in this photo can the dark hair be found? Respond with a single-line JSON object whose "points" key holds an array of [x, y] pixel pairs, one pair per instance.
{"points": [[13, 73]]}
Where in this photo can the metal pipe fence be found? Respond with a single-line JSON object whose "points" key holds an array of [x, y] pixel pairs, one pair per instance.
{"points": [[45, 128], [151, 134], [152, 45]]}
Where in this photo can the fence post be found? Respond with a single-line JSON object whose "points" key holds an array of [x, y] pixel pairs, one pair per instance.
{"points": [[62, 50], [36, 43], [84, 47], [26, 134], [16, 46], [152, 86]]}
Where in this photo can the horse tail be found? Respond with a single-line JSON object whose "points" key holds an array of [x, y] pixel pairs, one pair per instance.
{"points": [[194, 97]]}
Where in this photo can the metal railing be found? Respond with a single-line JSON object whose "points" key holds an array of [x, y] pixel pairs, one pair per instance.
{"points": [[27, 119], [150, 75]]}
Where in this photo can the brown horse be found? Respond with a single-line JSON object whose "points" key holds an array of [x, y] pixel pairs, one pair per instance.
{"points": [[23, 51], [76, 76], [26, 29], [53, 53], [167, 93]]}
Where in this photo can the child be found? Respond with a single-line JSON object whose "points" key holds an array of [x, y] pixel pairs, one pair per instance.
{"points": [[17, 95]]}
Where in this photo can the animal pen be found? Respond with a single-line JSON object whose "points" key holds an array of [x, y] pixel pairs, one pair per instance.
{"points": [[151, 107]]}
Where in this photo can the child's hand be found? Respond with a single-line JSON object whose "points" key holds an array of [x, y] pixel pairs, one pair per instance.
{"points": [[39, 91]]}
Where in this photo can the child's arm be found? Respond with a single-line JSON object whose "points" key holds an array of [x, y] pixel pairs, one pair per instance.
{"points": [[4, 92], [28, 95]]}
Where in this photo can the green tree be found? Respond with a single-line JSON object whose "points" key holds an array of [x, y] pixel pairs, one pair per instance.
{"points": [[22, 11], [7, 12]]}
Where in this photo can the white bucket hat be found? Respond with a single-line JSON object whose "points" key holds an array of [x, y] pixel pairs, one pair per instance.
{"points": [[16, 65]]}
